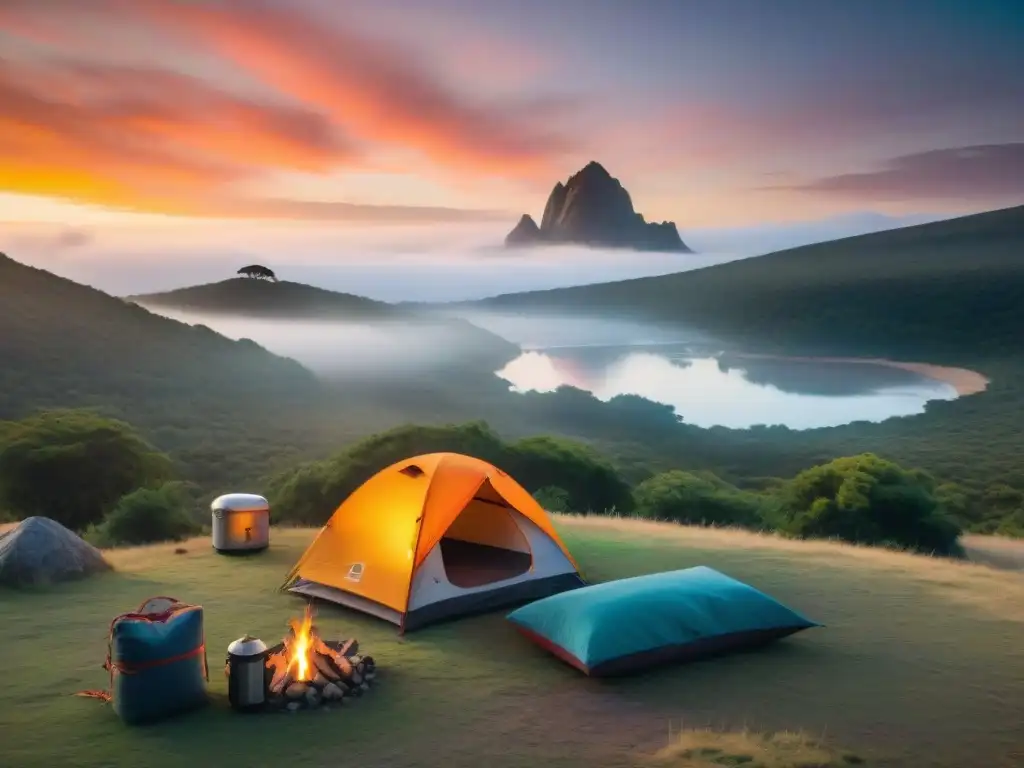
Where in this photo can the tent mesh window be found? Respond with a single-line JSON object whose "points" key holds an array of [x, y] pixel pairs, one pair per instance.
{"points": [[411, 471]]}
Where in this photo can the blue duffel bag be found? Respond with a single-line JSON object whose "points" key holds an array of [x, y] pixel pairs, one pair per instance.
{"points": [[157, 661]]}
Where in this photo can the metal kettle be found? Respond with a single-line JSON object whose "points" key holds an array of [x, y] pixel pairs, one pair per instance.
{"points": [[245, 667]]}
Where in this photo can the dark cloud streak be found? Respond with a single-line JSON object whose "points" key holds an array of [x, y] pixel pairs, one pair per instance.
{"points": [[985, 172]]}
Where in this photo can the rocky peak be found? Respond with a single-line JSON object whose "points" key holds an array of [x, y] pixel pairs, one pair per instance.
{"points": [[524, 233], [593, 208]]}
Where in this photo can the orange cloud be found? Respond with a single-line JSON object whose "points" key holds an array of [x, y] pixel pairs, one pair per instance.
{"points": [[378, 91], [157, 141], [148, 138], [145, 139]]}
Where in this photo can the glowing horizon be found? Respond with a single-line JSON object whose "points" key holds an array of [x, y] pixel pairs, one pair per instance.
{"points": [[127, 112]]}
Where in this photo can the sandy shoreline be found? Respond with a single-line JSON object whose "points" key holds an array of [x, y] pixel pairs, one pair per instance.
{"points": [[964, 381]]}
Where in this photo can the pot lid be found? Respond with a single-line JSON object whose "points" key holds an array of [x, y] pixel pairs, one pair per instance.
{"points": [[247, 646]]}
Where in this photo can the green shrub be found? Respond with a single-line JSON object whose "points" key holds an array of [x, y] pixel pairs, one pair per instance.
{"points": [[73, 466], [868, 500], [552, 498], [696, 498], [1012, 525], [590, 481], [148, 515]]}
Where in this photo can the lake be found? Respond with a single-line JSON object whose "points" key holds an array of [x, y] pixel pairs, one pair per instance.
{"points": [[715, 389]]}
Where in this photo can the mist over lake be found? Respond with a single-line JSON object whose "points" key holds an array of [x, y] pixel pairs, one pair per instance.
{"points": [[606, 357], [345, 350]]}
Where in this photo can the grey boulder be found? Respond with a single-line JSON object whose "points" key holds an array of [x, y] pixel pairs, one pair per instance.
{"points": [[42, 551]]}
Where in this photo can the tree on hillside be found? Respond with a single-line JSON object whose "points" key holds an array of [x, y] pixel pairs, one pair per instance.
{"points": [[869, 500], [258, 272], [73, 466]]}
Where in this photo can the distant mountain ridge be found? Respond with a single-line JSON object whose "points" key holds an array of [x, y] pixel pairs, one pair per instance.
{"points": [[593, 208], [948, 289]]}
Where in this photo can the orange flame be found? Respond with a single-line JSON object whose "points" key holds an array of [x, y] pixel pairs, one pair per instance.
{"points": [[300, 647]]}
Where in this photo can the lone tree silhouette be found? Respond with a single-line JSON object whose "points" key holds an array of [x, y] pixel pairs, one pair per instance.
{"points": [[258, 272]]}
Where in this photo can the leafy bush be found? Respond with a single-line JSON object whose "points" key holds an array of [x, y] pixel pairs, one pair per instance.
{"points": [[697, 498], [1012, 525], [148, 515], [869, 500], [591, 483], [552, 498], [73, 466]]}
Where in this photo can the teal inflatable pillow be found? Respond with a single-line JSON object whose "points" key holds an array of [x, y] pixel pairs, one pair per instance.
{"points": [[624, 626]]}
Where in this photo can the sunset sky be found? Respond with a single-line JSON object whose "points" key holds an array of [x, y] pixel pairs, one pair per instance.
{"points": [[712, 112]]}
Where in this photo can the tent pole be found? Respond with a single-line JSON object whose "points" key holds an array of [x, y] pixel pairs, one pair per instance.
{"points": [[412, 565]]}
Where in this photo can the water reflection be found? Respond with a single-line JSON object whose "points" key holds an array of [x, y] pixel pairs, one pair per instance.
{"points": [[738, 393]]}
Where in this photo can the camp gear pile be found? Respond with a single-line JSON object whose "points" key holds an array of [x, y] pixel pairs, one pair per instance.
{"points": [[306, 672], [156, 658], [624, 626], [435, 537]]}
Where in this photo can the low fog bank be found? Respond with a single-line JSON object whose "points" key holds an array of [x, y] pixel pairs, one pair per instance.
{"points": [[547, 330], [421, 276], [353, 350], [411, 262]]}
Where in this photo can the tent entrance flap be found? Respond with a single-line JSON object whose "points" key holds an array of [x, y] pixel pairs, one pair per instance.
{"points": [[484, 545], [469, 565]]}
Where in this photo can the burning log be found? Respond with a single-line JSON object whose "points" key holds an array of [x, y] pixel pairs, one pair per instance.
{"points": [[340, 664], [277, 665], [305, 671]]}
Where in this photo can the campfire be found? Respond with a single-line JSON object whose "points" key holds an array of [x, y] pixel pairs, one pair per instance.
{"points": [[306, 671]]}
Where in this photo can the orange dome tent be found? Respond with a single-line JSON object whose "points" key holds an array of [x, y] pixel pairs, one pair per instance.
{"points": [[433, 537]]}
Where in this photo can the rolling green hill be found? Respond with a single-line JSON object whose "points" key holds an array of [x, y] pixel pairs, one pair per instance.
{"points": [[63, 344], [73, 338], [947, 291], [261, 298]]}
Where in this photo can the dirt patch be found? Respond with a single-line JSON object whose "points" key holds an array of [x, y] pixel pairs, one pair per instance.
{"points": [[714, 749]]}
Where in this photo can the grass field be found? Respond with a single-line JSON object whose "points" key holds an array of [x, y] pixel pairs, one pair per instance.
{"points": [[921, 664]]}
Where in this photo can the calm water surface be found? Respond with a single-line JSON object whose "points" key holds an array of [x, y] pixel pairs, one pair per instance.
{"points": [[718, 390]]}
